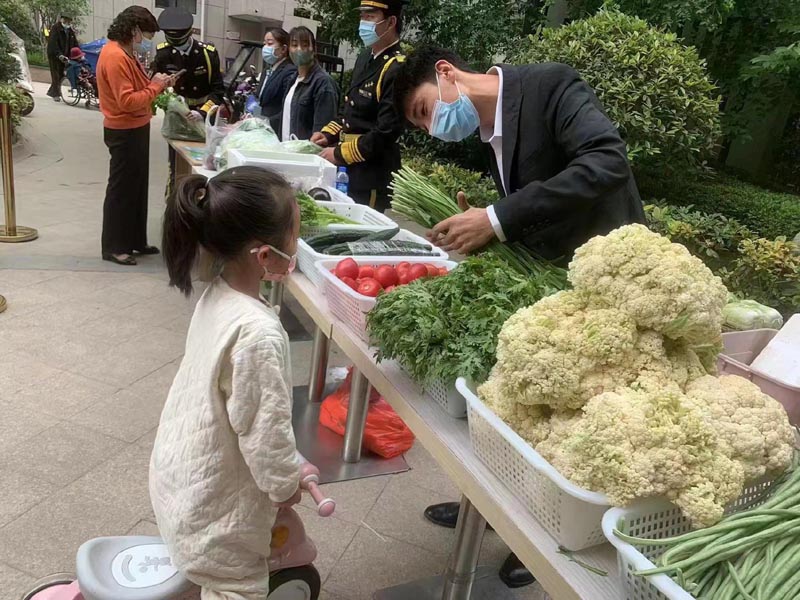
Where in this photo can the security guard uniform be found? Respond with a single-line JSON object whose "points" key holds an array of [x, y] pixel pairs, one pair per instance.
{"points": [[366, 135]]}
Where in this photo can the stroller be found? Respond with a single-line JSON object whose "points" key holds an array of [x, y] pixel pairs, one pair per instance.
{"points": [[79, 82]]}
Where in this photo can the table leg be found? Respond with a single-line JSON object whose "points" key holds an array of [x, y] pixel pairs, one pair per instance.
{"points": [[356, 417], [460, 574], [319, 365], [276, 294]]}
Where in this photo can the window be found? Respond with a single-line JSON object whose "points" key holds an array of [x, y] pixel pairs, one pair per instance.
{"points": [[190, 5]]}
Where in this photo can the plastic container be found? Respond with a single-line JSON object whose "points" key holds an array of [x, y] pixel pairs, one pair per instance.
{"points": [[308, 169], [571, 514], [366, 218], [349, 306], [740, 349], [657, 519], [307, 257], [448, 397]]}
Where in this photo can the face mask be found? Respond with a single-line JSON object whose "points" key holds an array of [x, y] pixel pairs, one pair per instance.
{"points": [[455, 121], [67, 26], [367, 33], [277, 277], [179, 42], [302, 58], [145, 46], [268, 54]]}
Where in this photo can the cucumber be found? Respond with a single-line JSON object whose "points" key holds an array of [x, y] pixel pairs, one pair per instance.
{"points": [[381, 236], [328, 238], [381, 248]]}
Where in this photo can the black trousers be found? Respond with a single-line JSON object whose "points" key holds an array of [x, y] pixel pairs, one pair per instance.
{"points": [[56, 75], [125, 208]]}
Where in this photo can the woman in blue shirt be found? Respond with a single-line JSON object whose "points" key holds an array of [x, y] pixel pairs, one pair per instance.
{"points": [[278, 76]]}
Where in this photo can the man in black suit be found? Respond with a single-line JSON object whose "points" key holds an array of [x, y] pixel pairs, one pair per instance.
{"points": [[60, 40], [559, 164]]}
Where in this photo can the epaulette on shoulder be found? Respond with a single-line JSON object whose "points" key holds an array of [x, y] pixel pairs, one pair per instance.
{"points": [[162, 45]]}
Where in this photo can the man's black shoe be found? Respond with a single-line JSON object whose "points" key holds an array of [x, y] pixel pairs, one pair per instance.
{"points": [[443, 515], [514, 574]]}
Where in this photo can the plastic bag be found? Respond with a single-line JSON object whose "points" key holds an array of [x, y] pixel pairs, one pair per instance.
{"points": [[250, 134], [745, 315], [217, 128], [177, 126], [385, 434]]}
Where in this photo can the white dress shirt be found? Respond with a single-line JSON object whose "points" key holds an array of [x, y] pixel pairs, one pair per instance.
{"points": [[494, 137], [286, 123]]}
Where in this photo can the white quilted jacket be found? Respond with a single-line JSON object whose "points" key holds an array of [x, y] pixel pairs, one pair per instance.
{"points": [[225, 451]]}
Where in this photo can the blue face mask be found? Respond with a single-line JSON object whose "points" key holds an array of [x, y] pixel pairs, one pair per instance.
{"points": [[268, 54], [145, 46], [455, 121], [367, 33]]}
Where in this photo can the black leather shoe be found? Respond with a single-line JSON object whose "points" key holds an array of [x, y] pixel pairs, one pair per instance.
{"points": [[443, 515], [514, 574]]}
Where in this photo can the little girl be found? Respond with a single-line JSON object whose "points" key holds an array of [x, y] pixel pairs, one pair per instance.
{"points": [[224, 459]]}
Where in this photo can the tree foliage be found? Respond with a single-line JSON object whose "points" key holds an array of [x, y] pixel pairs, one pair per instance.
{"points": [[9, 68], [18, 18], [47, 12], [653, 87]]}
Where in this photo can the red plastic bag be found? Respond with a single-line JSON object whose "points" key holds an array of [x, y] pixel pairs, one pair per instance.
{"points": [[385, 433]]}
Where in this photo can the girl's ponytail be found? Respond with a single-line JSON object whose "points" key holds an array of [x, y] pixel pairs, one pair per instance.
{"points": [[184, 224]]}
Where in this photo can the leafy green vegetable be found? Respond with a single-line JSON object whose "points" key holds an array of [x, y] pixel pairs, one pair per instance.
{"points": [[162, 100], [445, 327], [301, 147], [314, 215]]}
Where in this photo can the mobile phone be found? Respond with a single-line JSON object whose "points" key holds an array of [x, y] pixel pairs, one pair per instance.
{"points": [[179, 74]]}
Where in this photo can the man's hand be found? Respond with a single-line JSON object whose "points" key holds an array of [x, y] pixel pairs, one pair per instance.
{"points": [[320, 139], [329, 154], [471, 230], [195, 116]]}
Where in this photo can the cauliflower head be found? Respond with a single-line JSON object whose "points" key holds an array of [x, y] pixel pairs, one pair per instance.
{"points": [[657, 283], [753, 427], [633, 444], [531, 423]]}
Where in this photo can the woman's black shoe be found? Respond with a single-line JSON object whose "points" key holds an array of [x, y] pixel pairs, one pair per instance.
{"points": [[514, 574], [148, 250], [127, 262]]}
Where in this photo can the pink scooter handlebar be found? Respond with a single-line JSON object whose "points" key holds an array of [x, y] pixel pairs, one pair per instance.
{"points": [[309, 481]]}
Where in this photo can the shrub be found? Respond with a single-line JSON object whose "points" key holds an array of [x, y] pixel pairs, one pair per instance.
{"points": [[11, 95], [469, 154], [451, 179], [655, 89], [767, 213]]}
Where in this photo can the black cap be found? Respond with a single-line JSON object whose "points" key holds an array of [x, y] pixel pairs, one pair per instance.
{"points": [[175, 21], [390, 7]]}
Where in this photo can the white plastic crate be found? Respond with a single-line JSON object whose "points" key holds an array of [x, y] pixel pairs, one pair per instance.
{"points": [[658, 519], [571, 514], [349, 306], [307, 258], [448, 398], [366, 218], [307, 170], [337, 196]]}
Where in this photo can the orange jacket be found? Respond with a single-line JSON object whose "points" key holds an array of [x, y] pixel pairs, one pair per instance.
{"points": [[126, 93]]}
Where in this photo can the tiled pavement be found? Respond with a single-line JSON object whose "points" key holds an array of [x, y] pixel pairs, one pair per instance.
{"points": [[87, 354]]}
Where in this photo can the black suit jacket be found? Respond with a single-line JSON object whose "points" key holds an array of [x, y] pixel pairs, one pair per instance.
{"points": [[564, 163]]}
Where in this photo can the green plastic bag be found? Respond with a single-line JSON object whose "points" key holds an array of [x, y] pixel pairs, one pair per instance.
{"points": [[176, 124]]}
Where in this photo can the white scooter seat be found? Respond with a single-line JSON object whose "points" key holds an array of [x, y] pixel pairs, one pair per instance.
{"points": [[128, 568]]}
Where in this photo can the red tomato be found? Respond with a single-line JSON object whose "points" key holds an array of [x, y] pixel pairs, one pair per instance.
{"points": [[347, 268], [417, 271], [386, 276], [369, 287], [350, 282], [443, 271], [391, 288], [366, 272], [432, 271], [403, 278], [403, 267]]}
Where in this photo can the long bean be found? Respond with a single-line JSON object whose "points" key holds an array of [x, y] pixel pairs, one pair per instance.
{"points": [[737, 581]]}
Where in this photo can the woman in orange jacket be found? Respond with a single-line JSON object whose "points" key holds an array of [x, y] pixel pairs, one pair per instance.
{"points": [[126, 97]]}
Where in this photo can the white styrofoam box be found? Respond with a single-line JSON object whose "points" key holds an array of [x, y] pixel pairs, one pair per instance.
{"points": [[349, 306], [571, 514], [656, 518], [307, 257], [308, 169], [366, 218], [780, 359]]}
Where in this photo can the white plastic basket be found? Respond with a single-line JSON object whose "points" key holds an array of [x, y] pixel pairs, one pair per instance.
{"points": [[448, 398], [337, 196], [366, 218], [307, 257], [657, 519], [349, 306], [571, 514]]}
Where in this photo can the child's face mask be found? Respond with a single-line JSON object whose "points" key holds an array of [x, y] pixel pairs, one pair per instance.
{"points": [[270, 275]]}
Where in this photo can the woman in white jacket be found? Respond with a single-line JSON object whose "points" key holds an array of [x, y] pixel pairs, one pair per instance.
{"points": [[225, 459]]}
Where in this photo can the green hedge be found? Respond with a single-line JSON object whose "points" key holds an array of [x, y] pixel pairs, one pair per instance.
{"points": [[769, 214]]}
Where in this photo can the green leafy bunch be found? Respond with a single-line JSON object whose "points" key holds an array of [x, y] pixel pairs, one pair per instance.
{"points": [[446, 327], [655, 89], [451, 179]]}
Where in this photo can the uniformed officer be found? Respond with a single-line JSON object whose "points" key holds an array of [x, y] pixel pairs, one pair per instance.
{"points": [[202, 84], [365, 138]]}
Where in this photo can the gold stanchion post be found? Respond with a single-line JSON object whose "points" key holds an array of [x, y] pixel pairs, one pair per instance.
{"points": [[10, 232]]}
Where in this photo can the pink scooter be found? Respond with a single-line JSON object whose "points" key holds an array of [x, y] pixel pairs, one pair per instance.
{"points": [[140, 568]]}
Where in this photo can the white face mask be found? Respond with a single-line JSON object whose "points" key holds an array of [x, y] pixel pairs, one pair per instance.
{"points": [[277, 277]]}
